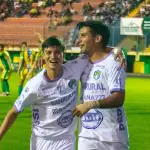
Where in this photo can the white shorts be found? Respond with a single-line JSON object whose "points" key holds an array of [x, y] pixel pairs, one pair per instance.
{"points": [[39, 143], [88, 144]]}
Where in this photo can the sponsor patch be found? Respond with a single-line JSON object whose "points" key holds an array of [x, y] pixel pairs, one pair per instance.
{"points": [[65, 119], [96, 74], [92, 119], [72, 83]]}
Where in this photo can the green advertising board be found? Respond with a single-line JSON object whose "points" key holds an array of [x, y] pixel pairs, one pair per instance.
{"points": [[146, 25]]}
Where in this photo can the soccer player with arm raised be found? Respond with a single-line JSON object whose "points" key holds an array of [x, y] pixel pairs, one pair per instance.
{"points": [[27, 58], [37, 57]]}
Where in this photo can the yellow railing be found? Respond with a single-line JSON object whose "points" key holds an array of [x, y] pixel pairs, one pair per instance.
{"points": [[136, 10], [147, 50]]}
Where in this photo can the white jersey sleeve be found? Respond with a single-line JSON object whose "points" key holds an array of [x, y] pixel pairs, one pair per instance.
{"points": [[78, 65], [27, 97], [116, 78]]}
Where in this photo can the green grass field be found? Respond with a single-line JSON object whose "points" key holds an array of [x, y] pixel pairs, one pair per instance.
{"points": [[137, 107]]}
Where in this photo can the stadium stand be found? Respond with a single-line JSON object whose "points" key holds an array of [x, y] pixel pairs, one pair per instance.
{"points": [[28, 17], [22, 19]]}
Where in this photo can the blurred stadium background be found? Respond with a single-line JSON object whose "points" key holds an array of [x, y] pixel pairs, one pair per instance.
{"points": [[129, 22]]}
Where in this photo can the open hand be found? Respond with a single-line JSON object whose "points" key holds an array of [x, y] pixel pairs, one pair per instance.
{"points": [[121, 57]]}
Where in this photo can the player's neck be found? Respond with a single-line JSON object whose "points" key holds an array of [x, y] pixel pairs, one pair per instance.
{"points": [[53, 74], [98, 55], [109, 49]]}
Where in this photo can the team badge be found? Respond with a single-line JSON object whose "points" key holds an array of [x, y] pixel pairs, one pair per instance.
{"points": [[65, 119], [96, 74], [72, 83]]}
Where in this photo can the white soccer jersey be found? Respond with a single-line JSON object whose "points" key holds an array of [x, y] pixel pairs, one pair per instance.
{"points": [[52, 101], [99, 80]]}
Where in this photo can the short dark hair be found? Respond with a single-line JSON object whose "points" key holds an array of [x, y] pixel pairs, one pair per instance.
{"points": [[24, 43], [53, 41], [2, 46], [97, 27]]}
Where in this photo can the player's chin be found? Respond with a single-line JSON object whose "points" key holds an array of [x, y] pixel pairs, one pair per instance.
{"points": [[53, 68], [53, 65], [82, 51]]}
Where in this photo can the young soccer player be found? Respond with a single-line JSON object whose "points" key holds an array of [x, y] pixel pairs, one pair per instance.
{"points": [[103, 121], [52, 94], [26, 61], [7, 67]]}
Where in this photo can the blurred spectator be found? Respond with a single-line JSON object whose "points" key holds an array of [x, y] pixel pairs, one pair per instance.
{"points": [[54, 20], [3, 14], [34, 12], [66, 16], [67, 4], [86, 9], [109, 10], [63, 4], [144, 11], [50, 13], [4, 10]]}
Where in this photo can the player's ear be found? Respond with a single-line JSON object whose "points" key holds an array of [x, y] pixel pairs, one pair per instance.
{"points": [[63, 55], [44, 55], [98, 38]]}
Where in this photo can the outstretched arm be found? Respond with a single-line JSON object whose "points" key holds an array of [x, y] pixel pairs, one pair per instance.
{"points": [[8, 121]]}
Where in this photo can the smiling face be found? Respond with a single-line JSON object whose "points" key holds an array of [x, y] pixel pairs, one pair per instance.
{"points": [[93, 36], [53, 57], [86, 39]]}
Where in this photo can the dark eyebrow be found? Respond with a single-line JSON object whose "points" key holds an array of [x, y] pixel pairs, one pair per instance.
{"points": [[82, 34]]}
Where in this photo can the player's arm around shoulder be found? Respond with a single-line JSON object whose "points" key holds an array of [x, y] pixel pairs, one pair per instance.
{"points": [[120, 55], [77, 66], [80, 59]]}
